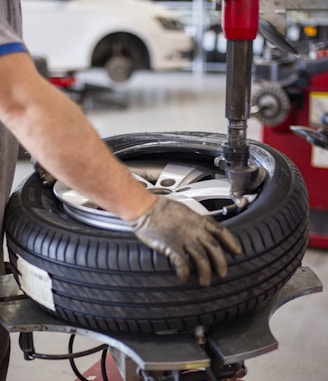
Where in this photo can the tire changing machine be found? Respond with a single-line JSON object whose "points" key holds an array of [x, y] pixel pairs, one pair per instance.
{"points": [[292, 105], [217, 354]]}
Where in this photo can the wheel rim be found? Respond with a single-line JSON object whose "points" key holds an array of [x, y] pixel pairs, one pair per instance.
{"points": [[119, 68], [203, 188]]}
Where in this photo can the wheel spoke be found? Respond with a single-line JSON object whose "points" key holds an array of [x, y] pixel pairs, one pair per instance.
{"points": [[174, 176], [144, 181], [208, 189], [193, 204]]}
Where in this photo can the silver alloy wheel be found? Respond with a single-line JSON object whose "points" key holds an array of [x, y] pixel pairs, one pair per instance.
{"points": [[205, 190]]}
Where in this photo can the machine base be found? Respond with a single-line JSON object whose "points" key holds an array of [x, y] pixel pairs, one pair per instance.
{"points": [[221, 352]]}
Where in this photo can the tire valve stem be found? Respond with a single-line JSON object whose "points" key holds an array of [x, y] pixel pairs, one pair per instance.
{"points": [[239, 205]]}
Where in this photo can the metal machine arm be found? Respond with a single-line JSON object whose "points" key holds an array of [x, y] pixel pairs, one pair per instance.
{"points": [[240, 19]]}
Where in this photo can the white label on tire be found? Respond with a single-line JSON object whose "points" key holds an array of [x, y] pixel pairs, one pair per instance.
{"points": [[319, 157], [36, 283]]}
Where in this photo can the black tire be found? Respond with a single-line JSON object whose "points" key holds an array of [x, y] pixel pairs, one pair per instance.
{"points": [[108, 280]]}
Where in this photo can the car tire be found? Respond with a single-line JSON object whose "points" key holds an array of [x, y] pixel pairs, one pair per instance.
{"points": [[119, 68], [109, 281]]}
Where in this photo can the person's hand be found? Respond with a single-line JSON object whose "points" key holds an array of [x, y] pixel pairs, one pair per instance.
{"points": [[176, 231]]}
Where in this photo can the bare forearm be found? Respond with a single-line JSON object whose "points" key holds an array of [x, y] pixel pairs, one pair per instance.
{"points": [[59, 136]]}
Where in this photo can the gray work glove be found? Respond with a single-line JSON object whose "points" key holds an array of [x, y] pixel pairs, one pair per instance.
{"points": [[176, 231]]}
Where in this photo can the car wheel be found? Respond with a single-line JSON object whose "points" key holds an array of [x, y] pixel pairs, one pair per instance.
{"points": [[119, 68], [84, 265]]}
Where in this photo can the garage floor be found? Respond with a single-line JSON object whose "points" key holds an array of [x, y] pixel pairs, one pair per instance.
{"points": [[185, 101]]}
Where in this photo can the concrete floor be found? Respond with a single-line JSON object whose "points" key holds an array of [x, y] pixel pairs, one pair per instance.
{"points": [[185, 101]]}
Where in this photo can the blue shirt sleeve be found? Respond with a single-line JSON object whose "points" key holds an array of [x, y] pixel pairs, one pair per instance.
{"points": [[12, 47], [10, 41]]}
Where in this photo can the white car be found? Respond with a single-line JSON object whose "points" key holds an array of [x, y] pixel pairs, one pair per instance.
{"points": [[205, 28], [120, 35]]}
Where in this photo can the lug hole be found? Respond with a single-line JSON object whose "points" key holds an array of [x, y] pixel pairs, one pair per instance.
{"points": [[167, 183]]}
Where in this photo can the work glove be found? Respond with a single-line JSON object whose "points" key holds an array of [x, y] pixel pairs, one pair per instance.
{"points": [[176, 231]]}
